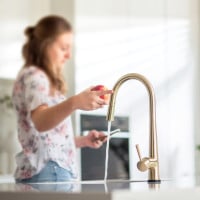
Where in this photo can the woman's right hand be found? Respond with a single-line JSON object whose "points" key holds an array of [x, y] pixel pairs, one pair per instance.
{"points": [[86, 100], [91, 100]]}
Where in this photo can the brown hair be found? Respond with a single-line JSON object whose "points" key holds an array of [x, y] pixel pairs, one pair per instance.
{"points": [[39, 37]]}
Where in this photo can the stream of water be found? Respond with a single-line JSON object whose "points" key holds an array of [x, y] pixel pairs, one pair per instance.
{"points": [[107, 151]]}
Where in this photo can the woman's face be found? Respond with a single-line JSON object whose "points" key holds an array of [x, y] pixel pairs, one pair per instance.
{"points": [[60, 50]]}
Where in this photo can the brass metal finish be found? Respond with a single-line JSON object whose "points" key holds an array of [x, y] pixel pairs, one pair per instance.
{"points": [[151, 163]]}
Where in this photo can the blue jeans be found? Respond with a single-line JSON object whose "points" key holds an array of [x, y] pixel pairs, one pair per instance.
{"points": [[52, 172]]}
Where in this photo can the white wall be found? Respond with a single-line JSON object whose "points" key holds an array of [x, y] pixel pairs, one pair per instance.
{"points": [[14, 17], [195, 6], [152, 38]]}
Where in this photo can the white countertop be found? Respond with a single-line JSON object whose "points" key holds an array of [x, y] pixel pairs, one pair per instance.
{"points": [[99, 189]]}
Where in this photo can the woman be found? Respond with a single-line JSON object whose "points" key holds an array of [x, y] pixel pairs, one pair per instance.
{"points": [[43, 112]]}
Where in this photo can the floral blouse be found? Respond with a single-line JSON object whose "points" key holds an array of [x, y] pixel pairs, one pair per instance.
{"points": [[31, 89]]}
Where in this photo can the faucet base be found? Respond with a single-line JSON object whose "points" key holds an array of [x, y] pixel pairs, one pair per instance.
{"points": [[154, 181]]}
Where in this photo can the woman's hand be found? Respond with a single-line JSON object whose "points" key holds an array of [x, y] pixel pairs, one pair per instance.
{"points": [[86, 100], [91, 100], [91, 140]]}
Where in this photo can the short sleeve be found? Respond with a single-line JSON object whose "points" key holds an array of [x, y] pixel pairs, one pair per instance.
{"points": [[36, 89]]}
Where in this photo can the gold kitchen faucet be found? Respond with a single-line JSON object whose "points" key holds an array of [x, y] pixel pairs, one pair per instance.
{"points": [[150, 163]]}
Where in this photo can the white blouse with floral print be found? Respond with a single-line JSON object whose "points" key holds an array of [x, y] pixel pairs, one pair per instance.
{"points": [[31, 89]]}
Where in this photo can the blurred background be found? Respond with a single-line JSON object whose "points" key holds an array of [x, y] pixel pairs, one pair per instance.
{"points": [[156, 38]]}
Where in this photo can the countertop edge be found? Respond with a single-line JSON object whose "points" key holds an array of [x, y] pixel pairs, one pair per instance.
{"points": [[7, 195]]}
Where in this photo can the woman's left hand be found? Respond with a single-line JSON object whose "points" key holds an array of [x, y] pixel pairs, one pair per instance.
{"points": [[92, 139]]}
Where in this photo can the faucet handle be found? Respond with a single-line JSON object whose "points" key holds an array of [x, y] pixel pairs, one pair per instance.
{"points": [[138, 151], [143, 164]]}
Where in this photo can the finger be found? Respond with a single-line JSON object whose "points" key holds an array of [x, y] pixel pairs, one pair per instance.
{"points": [[96, 144], [99, 143], [103, 92], [101, 103], [97, 105], [100, 138]]}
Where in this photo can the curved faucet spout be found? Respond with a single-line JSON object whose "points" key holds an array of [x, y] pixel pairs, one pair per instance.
{"points": [[153, 147]]}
